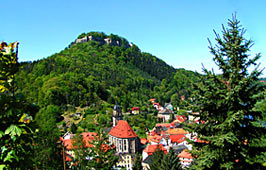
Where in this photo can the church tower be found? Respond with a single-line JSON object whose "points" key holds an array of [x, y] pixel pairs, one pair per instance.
{"points": [[126, 142], [117, 114]]}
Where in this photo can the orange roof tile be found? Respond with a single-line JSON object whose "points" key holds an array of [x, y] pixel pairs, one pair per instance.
{"points": [[151, 148], [68, 159], [176, 131], [155, 138], [89, 134], [123, 130], [88, 142], [68, 143], [167, 125], [152, 100], [180, 118], [177, 138], [201, 141], [185, 154], [143, 141], [135, 108]]}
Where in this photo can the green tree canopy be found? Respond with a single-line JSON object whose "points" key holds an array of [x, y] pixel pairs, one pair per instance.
{"points": [[16, 134], [226, 103], [47, 151]]}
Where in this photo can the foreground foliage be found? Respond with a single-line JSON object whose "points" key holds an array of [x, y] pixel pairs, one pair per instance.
{"points": [[95, 154], [47, 151], [161, 161], [16, 134], [233, 130]]}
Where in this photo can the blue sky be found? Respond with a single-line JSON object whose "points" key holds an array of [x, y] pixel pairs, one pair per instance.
{"points": [[173, 30]]}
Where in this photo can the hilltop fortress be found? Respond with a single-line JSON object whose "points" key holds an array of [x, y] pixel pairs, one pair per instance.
{"points": [[103, 39]]}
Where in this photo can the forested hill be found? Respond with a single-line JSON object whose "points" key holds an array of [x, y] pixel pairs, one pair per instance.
{"points": [[95, 68]]}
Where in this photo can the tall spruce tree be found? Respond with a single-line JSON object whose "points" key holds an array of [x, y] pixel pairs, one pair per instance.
{"points": [[226, 103], [161, 161], [156, 159], [47, 151]]}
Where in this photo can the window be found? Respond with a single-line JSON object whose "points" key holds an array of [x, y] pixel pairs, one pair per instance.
{"points": [[120, 145], [125, 145]]}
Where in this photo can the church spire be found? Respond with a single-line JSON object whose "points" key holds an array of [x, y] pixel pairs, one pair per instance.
{"points": [[117, 114]]}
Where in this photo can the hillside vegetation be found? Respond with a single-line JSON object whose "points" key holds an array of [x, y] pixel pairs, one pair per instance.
{"points": [[88, 73]]}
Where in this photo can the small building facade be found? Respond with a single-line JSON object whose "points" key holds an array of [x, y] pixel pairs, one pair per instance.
{"points": [[126, 142]]}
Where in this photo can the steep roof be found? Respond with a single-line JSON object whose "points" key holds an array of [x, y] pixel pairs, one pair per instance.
{"points": [[177, 138], [135, 108], [143, 141], [68, 143], [176, 131], [89, 134], [152, 100], [155, 138], [180, 118], [185, 154], [151, 148], [122, 130]]}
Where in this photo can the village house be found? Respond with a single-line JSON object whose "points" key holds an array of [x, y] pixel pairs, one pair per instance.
{"points": [[68, 142], [147, 154], [157, 106], [185, 158], [135, 110], [165, 114]]}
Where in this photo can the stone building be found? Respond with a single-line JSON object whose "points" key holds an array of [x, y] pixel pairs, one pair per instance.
{"points": [[126, 142]]}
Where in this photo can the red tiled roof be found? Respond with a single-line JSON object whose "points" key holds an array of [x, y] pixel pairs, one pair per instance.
{"points": [[201, 141], [152, 100], [88, 141], [177, 138], [143, 141], [122, 130], [151, 148], [88, 137], [89, 134], [135, 108], [68, 158], [68, 143], [155, 138], [181, 118], [152, 133], [185, 154], [176, 131]]}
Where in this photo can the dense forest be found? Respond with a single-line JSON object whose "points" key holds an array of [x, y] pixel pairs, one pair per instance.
{"points": [[88, 73]]}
